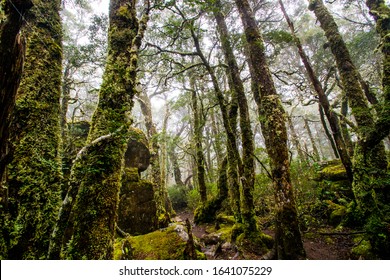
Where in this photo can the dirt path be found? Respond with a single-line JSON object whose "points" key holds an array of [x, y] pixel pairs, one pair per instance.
{"points": [[317, 246]]}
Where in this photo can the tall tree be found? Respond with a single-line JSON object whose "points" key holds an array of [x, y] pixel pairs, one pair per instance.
{"points": [[370, 179], [381, 13], [325, 106], [236, 84], [97, 171], [12, 51], [35, 172], [198, 137], [288, 242]]}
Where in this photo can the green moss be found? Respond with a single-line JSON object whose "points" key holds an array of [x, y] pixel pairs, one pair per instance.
{"points": [[35, 172], [158, 245], [362, 250], [256, 243], [335, 172]]}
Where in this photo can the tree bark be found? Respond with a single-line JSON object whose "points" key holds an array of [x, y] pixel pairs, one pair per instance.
{"points": [[35, 171], [367, 160], [234, 160], [288, 242], [198, 137], [247, 138], [160, 188], [316, 154], [12, 51], [98, 172], [381, 13]]}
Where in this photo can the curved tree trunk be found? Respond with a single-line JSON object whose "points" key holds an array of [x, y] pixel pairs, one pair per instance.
{"points": [[288, 242]]}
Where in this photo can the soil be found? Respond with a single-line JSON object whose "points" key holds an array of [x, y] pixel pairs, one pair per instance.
{"points": [[320, 243]]}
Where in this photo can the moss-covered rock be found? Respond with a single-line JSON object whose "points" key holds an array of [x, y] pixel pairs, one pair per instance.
{"points": [[362, 250], [137, 154], [137, 212], [165, 244], [332, 171], [338, 213]]}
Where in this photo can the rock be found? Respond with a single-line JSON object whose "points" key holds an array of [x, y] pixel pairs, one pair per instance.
{"points": [[211, 239], [332, 171], [227, 246], [137, 154], [137, 212], [165, 244], [182, 232]]}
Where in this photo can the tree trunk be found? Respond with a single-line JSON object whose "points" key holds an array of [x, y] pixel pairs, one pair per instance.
{"points": [[146, 108], [97, 172], [373, 159], [316, 154], [381, 13], [35, 172], [370, 179], [294, 138], [247, 139], [198, 138], [344, 128], [288, 242], [324, 101], [327, 132], [163, 192], [234, 160], [12, 51]]}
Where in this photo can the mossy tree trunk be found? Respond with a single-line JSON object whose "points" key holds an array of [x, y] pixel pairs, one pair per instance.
{"points": [[247, 138], [97, 171], [198, 139], [316, 154], [35, 172], [369, 159], [381, 13], [288, 242], [370, 179], [234, 160], [325, 106], [160, 188], [12, 52]]}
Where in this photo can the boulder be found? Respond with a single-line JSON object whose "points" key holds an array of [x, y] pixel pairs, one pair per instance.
{"points": [[137, 212], [137, 154]]}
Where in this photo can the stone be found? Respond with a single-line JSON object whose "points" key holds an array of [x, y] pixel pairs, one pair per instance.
{"points": [[137, 212], [137, 154]]}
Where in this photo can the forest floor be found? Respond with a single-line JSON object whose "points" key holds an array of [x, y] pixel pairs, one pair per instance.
{"points": [[320, 243]]}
